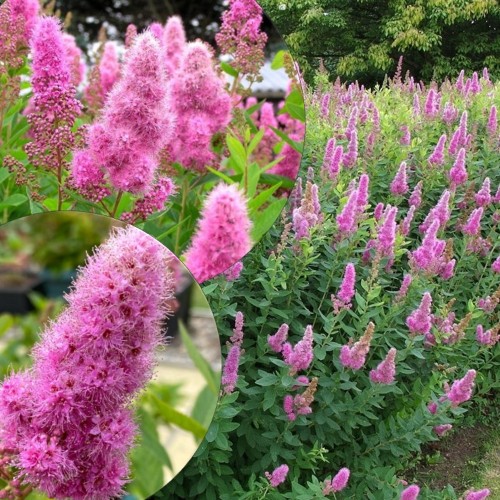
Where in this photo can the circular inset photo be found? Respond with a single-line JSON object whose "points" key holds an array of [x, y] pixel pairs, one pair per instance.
{"points": [[109, 360], [184, 119]]}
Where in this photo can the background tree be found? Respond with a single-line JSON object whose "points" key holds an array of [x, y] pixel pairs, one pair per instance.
{"points": [[363, 39], [201, 17]]}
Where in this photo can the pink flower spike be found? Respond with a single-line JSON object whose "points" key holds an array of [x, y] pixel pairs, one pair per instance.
{"points": [[278, 476], [492, 121], [174, 42], [496, 265], [477, 495], [405, 285], [237, 337], [458, 173], [379, 210], [336, 162], [399, 185], [362, 198], [410, 493], [461, 390], [230, 372], [339, 481], [473, 225], [437, 156], [441, 430], [347, 291], [277, 340], [483, 196], [385, 373], [346, 220], [223, 234], [299, 357], [416, 196], [419, 321], [327, 158]]}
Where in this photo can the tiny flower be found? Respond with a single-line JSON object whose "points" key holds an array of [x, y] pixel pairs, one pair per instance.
{"points": [[473, 225], [278, 476], [437, 156], [378, 211], [483, 196], [230, 372], [492, 121], [300, 356], [347, 291], [416, 196], [354, 356], [458, 173]]}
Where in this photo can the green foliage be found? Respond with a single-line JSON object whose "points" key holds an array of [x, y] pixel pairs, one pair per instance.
{"points": [[363, 39], [372, 429]]}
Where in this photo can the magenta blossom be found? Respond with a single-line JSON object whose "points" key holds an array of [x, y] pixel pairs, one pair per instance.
{"points": [[420, 320], [385, 373], [461, 390], [277, 340], [410, 493], [300, 356], [278, 475], [477, 495], [338, 482], [399, 185]]}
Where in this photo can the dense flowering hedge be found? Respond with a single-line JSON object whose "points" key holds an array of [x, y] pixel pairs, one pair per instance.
{"points": [[368, 319], [149, 137]]}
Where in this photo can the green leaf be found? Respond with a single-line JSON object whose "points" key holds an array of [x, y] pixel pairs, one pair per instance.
{"points": [[227, 68], [264, 220], [199, 361], [221, 175], [172, 416], [278, 60], [294, 106], [263, 197], [14, 200], [298, 146], [255, 141], [253, 176], [238, 153], [6, 322]]}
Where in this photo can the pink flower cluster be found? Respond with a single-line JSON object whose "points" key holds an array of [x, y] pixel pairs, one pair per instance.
{"points": [[385, 373], [354, 355], [278, 475], [300, 356], [223, 234], [68, 421], [420, 320], [230, 371], [338, 482], [346, 291]]}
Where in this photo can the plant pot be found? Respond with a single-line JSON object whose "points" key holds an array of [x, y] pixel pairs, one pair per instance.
{"points": [[182, 307], [55, 285], [15, 287]]}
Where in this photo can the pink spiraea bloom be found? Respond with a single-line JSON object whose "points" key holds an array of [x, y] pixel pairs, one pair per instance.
{"points": [[350, 158], [124, 144], [486, 337], [338, 482], [459, 84], [329, 149], [458, 173], [72, 433], [487, 304], [416, 105], [405, 285], [362, 198], [201, 105], [54, 103], [416, 195], [174, 41], [308, 215], [278, 475], [405, 225], [492, 121], [237, 337], [473, 225], [223, 234], [477, 495], [300, 404], [325, 105], [461, 390], [450, 113], [130, 34], [300, 356], [410, 493], [230, 371], [441, 212], [109, 68], [432, 103], [385, 373], [406, 137], [17, 21], [240, 36], [354, 355], [386, 237], [378, 212], [154, 200], [265, 149], [74, 57], [157, 30], [496, 265], [277, 340], [346, 291], [483, 196], [420, 320], [336, 162], [443, 429], [346, 220], [455, 142], [437, 156], [399, 184]]}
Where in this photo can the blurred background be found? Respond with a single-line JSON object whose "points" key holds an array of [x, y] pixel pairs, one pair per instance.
{"points": [[39, 258]]}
